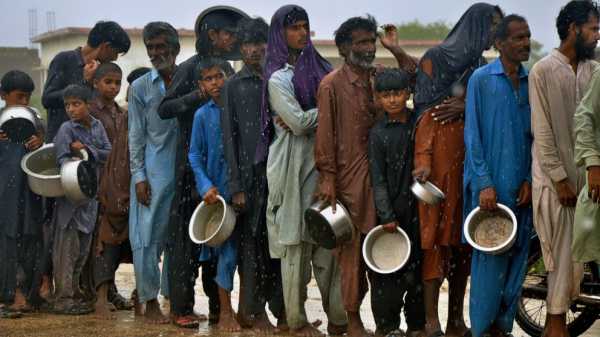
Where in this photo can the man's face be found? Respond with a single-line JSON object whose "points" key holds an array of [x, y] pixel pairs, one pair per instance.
{"points": [[587, 39], [393, 101], [362, 50], [496, 19], [161, 55], [517, 45], [212, 81], [77, 109], [16, 97], [106, 53], [109, 85], [222, 40], [253, 54], [296, 35]]}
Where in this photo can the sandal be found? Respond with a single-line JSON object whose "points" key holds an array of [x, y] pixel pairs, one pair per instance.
{"points": [[74, 310], [186, 322], [121, 303], [10, 314]]}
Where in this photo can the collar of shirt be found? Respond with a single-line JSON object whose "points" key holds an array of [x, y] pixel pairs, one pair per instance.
{"points": [[352, 76], [93, 123], [246, 72], [497, 68], [391, 122]]}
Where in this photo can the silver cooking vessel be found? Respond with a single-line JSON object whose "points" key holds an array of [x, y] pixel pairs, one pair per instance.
{"points": [[329, 229]]}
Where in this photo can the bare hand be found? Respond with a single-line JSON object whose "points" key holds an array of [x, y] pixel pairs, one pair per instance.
{"points": [[239, 200], [389, 37], [422, 173], [390, 227], [3, 135], [450, 110], [566, 194], [327, 192], [524, 198], [210, 197], [143, 192], [34, 142], [594, 183], [281, 123], [487, 199], [89, 70], [76, 146]]}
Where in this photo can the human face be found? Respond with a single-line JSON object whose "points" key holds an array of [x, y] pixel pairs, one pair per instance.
{"points": [[161, 55], [362, 49], [296, 35], [212, 81], [393, 101], [109, 85], [222, 40], [16, 97], [496, 19], [77, 109], [106, 53], [517, 46], [253, 54], [587, 39]]}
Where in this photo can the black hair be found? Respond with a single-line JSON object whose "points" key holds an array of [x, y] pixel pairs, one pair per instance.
{"points": [[137, 73], [392, 79], [208, 63], [157, 28], [77, 91], [16, 80], [343, 35], [111, 32], [105, 68], [577, 12], [502, 29], [252, 31]]}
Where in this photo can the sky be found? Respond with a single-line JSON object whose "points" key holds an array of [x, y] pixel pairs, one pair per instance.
{"points": [[325, 15]]}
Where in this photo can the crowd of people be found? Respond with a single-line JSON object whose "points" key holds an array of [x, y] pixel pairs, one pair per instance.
{"points": [[286, 130]]}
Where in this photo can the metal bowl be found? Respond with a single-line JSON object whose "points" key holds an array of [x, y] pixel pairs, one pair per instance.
{"points": [[505, 227], [20, 123], [427, 192], [79, 180], [329, 229], [384, 252], [212, 224]]}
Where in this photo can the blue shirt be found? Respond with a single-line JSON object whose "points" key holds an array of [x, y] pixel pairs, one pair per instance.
{"points": [[206, 153]]}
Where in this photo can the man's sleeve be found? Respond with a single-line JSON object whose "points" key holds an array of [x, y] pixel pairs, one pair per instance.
{"points": [[229, 125], [587, 150], [325, 142], [181, 96], [424, 138], [52, 97], [377, 166], [284, 102], [137, 136]]}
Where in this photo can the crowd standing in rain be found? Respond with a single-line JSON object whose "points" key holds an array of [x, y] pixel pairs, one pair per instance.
{"points": [[288, 131]]}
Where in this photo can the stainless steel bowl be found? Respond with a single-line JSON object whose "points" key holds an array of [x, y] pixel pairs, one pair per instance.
{"points": [[79, 180], [20, 122], [329, 229], [212, 224], [384, 252], [427, 192], [474, 220]]}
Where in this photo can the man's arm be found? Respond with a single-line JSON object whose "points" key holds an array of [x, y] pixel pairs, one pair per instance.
{"points": [[52, 97], [424, 140], [389, 40], [587, 152], [285, 104], [182, 96], [137, 135], [230, 127], [325, 143]]}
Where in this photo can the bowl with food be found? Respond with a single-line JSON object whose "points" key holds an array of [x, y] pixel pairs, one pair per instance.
{"points": [[492, 232]]}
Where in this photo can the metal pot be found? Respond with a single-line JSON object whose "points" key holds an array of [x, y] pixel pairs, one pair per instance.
{"points": [[475, 218], [20, 122], [79, 180], [427, 192], [329, 229], [384, 252], [212, 224]]}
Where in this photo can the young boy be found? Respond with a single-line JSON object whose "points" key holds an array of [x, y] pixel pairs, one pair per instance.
{"points": [[210, 169], [391, 164], [112, 246], [74, 224], [21, 211]]}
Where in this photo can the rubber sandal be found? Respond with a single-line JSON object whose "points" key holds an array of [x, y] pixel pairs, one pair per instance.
{"points": [[186, 322], [10, 314], [121, 303]]}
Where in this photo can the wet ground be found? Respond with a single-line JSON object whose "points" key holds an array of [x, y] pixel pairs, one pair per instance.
{"points": [[44, 325]]}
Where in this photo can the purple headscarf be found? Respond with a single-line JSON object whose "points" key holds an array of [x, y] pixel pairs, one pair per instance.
{"points": [[309, 69]]}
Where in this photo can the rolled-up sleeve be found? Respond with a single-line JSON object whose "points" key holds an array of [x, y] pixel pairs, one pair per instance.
{"points": [[587, 149]]}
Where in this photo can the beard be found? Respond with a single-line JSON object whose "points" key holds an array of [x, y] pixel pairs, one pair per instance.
{"points": [[583, 51], [364, 61], [163, 63]]}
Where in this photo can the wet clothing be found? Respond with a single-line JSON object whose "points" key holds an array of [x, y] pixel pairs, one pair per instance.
{"points": [[555, 92], [108, 261], [586, 238], [260, 279], [65, 68], [20, 267], [498, 154]]}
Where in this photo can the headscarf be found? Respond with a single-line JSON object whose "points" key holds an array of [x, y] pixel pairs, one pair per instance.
{"points": [[218, 18], [456, 57], [309, 69]]}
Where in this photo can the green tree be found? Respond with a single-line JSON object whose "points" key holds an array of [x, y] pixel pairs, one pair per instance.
{"points": [[415, 30]]}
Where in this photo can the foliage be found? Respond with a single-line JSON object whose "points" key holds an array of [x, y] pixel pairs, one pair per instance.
{"points": [[415, 30]]}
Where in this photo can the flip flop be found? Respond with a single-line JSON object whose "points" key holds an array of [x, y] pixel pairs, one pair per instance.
{"points": [[121, 303], [186, 322], [10, 314]]}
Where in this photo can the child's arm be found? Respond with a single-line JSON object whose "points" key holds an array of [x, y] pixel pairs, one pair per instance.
{"points": [[198, 158], [101, 152], [378, 168], [62, 144]]}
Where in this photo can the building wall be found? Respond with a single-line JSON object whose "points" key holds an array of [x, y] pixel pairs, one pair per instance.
{"points": [[23, 59]]}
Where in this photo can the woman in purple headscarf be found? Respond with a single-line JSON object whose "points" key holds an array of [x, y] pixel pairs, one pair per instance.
{"points": [[293, 72]]}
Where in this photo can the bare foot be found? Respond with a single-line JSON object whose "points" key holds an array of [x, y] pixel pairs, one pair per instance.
{"points": [[456, 331], [153, 315], [356, 327], [262, 325], [416, 333], [282, 325], [102, 311], [20, 302], [336, 330], [245, 322], [45, 287], [228, 323], [307, 331]]}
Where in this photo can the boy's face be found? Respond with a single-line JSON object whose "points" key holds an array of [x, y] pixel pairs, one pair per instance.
{"points": [[106, 53], [393, 101], [16, 97], [109, 85], [253, 54], [212, 81], [222, 39], [297, 34], [77, 109]]}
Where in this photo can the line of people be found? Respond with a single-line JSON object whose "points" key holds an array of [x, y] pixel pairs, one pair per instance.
{"points": [[287, 129]]}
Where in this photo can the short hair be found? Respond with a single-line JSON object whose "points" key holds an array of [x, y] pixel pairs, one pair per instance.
{"points": [[343, 35], [208, 63], [16, 80], [502, 29], [392, 79], [106, 68], [157, 28], [111, 32], [252, 31], [77, 91], [137, 73], [577, 12]]}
